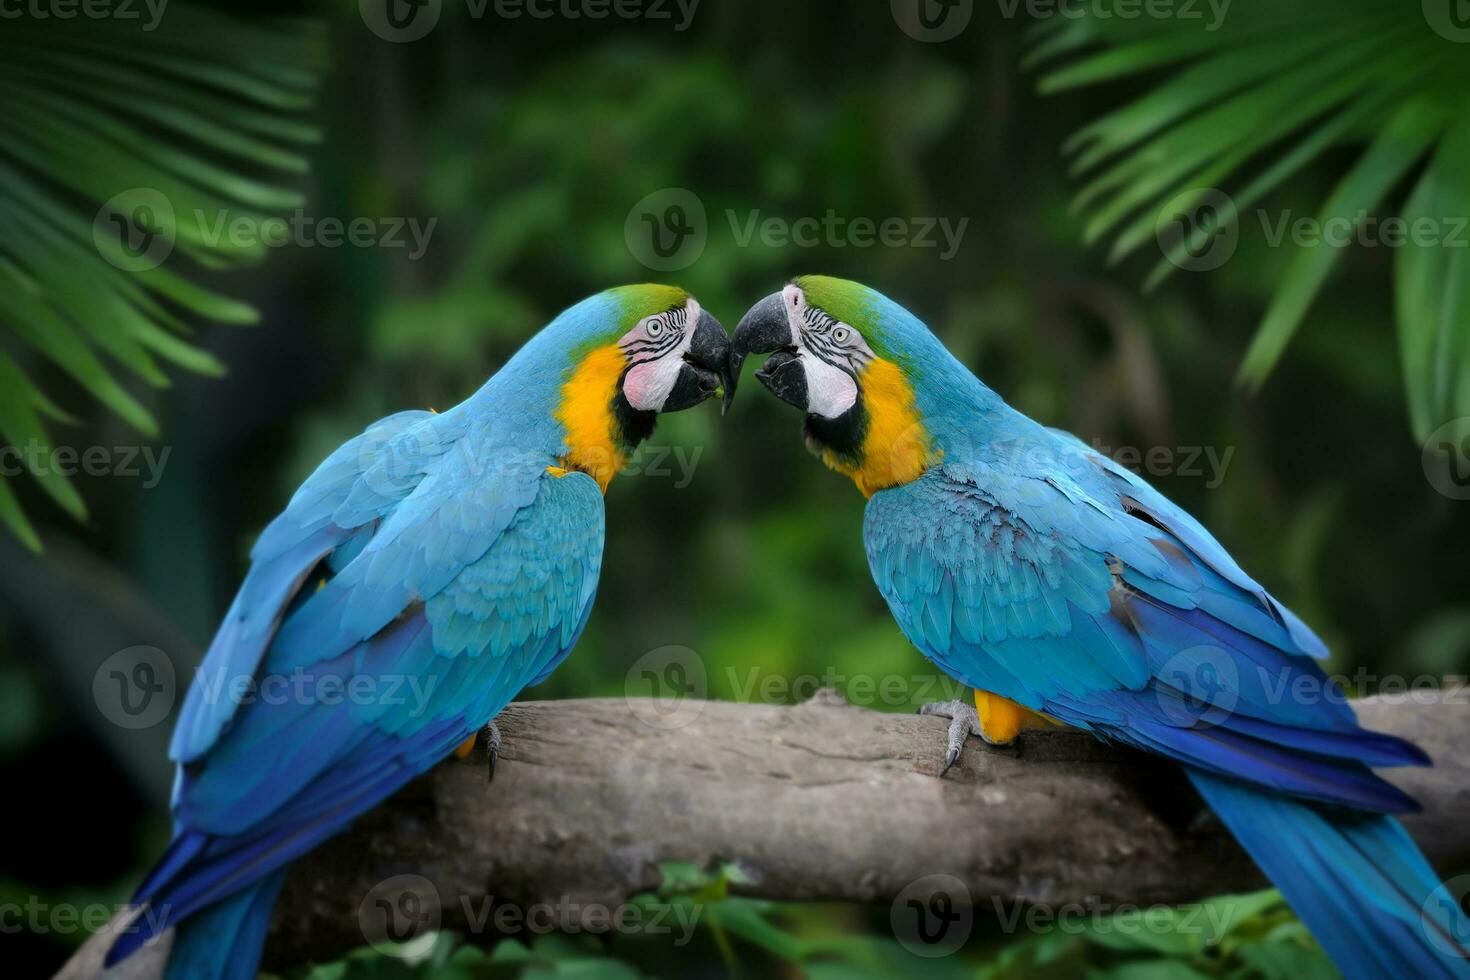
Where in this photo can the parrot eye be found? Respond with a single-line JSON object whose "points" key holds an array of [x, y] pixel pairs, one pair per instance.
{"points": [[840, 335], [655, 328]]}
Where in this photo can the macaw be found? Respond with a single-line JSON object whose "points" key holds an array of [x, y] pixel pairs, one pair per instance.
{"points": [[1059, 584], [429, 569]]}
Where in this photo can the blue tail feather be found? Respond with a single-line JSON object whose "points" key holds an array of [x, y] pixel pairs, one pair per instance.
{"points": [[225, 940], [1356, 879]]}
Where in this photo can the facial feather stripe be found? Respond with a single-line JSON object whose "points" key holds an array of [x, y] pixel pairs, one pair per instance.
{"points": [[660, 336], [828, 338]]}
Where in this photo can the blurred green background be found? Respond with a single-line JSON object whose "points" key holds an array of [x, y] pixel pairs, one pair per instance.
{"points": [[528, 142]]}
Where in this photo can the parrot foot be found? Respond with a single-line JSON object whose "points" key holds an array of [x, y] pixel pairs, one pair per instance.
{"points": [[492, 745], [964, 722]]}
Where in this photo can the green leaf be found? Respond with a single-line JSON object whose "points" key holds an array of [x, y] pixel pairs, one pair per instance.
{"points": [[1241, 106], [1402, 143], [201, 112], [1432, 289]]}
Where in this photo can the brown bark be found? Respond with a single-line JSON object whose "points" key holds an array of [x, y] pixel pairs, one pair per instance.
{"points": [[818, 801]]}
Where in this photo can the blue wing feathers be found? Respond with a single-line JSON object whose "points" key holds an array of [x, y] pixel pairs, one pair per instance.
{"points": [[452, 580], [1088, 597]]}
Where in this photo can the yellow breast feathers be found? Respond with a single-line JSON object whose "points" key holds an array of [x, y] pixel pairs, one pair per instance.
{"points": [[895, 446], [593, 446]]}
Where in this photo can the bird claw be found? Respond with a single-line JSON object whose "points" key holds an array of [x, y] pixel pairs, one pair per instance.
{"points": [[964, 722]]}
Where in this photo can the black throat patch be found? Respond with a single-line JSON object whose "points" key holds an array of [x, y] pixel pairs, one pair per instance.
{"points": [[843, 435], [631, 426]]}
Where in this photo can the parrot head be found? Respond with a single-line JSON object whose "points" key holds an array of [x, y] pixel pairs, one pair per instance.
{"points": [[635, 352], [875, 384]]}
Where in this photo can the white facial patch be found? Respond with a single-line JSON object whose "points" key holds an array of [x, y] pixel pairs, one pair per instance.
{"points": [[655, 349], [830, 390]]}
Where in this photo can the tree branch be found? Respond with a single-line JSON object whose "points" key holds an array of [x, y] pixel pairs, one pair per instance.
{"points": [[822, 801]]}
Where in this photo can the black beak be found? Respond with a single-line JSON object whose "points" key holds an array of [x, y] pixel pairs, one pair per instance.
{"points": [[765, 330], [706, 367]]}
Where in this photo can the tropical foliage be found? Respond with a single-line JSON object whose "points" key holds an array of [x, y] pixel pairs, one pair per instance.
{"points": [[125, 155], [1252, 99]]}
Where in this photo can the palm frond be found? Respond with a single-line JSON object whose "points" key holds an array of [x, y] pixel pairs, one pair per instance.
{"points": [[1244, 104], [114, 137]]}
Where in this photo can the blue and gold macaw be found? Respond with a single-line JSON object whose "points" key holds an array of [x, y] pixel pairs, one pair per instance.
{"points": [[1057, 583], [428, 570]]}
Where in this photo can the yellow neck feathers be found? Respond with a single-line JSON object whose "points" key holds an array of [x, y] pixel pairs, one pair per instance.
{"points": [[895, 446], [586, 414]]}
